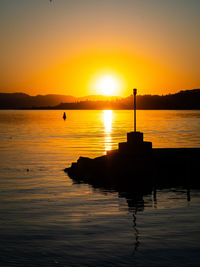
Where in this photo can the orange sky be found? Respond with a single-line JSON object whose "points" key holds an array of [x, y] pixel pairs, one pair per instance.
{"points": [[66, 46]]}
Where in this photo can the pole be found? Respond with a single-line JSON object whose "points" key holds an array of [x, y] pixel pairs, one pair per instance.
{"points": [[134, 93]]}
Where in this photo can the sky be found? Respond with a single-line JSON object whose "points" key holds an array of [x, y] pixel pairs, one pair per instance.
{"points": [[70, 46]]}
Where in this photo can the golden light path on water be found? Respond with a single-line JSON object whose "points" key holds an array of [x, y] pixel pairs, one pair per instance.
{"points": [[107, 118]]}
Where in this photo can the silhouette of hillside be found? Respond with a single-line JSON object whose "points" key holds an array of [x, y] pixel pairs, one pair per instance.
{"points": [[188, 99], [21, 100], [25, 101]]}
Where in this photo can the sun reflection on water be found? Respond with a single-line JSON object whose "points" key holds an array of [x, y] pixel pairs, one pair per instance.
{"points": [[107, 118]]}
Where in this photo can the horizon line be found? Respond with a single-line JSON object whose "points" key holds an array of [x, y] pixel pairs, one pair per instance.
{"points": [[99, 95]]}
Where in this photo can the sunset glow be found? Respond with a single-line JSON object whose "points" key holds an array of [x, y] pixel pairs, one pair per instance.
{"points": [[107, 85], [65, 47]]}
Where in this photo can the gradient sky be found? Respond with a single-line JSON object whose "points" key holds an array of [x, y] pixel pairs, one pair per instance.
{"points": [[65, 46]]}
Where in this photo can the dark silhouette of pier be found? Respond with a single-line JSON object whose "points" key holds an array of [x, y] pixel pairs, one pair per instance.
{"points": [[138, 167]]}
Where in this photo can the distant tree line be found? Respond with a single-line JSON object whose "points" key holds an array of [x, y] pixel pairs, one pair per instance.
{"points": [[188, 99]]}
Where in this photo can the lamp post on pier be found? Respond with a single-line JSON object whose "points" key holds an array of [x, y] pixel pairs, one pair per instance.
{"points": [[134, 93]]}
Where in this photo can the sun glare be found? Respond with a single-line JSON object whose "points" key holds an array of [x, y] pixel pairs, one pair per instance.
{"points": [[107, 118], [107, 85]]}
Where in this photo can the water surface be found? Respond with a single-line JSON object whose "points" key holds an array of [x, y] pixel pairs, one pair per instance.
{"points": [[47, 220]]}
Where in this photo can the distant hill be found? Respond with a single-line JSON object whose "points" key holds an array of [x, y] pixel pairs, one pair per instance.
{"points": [[21, 100], [187, 99], [25, 101]]}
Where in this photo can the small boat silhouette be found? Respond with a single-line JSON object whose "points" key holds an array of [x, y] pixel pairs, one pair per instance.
{"points": [[64, 116]]}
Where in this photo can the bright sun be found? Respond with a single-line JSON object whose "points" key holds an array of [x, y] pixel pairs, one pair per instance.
{"points": [[107, 85]]}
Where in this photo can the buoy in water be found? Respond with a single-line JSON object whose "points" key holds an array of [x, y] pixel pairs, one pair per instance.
{"points": [[64, 116]]}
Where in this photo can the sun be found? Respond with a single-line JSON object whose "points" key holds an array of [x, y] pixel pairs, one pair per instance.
{"points": [[107, 85]]}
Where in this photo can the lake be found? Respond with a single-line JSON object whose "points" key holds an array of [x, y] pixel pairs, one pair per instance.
{"points": [[48, 220]]}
